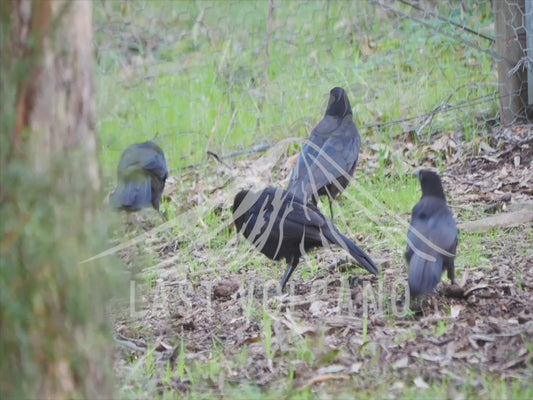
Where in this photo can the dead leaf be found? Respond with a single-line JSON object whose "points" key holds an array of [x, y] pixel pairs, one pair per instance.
{"points": [[485, 148], [162, 346], [355, 368], [455, 310], [316, 308], [398, 386], [254, 339], [401, 363], [420, 383], [331, 369]]}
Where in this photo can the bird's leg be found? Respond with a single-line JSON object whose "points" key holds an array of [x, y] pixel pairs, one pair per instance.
{"points": [[288, 272], [130, 221], [330, 206], [451, 273], [163, 215]]}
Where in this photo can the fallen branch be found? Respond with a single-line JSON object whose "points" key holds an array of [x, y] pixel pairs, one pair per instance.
{"points": [[498, 221], [130, 345], [257, 149], [323, 378]]}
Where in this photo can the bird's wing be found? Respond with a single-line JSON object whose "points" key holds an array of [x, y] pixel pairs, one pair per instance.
{"points": [[277, 215], [137, 158], [156, 165], [433, 221], [331, 163], [299, 219], [132, 194], [319, 136], [336, 157]]}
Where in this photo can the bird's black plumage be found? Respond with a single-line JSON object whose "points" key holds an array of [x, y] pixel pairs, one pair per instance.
{"points": [[282, 226], [142, 172], [432, 238], [327, 161]]}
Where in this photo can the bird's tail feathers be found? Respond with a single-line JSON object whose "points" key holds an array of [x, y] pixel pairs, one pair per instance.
{"points": [[362, 258], [424, 274], [132, 195]]}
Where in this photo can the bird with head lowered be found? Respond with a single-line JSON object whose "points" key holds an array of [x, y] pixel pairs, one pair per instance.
{"points": [[281, 226], [432, 238], [142, 172]]}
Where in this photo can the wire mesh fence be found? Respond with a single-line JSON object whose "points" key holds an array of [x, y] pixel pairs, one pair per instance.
{"points": [[229, 76]]}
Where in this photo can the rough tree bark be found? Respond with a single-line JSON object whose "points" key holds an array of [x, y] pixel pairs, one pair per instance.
{"points": [[56, 101], [55, 338]]}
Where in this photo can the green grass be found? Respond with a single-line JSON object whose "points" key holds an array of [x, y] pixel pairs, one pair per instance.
{"points": [[203, 84], [473, 249], [191, 75]]}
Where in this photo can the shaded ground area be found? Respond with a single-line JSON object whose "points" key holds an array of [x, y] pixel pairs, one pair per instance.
{"points": [[207, 322]]}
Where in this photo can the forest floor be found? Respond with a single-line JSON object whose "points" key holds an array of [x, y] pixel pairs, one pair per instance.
{"points": [[205, 320]]}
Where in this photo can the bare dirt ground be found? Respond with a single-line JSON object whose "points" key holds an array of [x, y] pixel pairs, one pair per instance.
{"points": [[358, 323]]}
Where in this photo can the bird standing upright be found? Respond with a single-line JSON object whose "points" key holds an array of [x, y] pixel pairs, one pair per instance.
{"points": [[328, 160], [281, 226], [142, 172], [431, 239]]}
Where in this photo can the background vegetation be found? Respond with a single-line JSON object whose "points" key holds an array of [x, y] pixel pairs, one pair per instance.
{"points": [[234, 76], [196, 74], [254, 77]]}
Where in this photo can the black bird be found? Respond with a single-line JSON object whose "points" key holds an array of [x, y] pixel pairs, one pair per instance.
{"points": [[280, 225], [431, 239], [327, 162], [142, 172]]}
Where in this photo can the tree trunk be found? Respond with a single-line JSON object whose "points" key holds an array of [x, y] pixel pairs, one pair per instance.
{"points": [[57, 100], [52, 310]]}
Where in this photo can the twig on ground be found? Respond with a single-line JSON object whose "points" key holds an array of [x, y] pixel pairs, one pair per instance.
{"points": [[323, 378], [476, 288], [217, 157], [257, 149], [130, 345]]}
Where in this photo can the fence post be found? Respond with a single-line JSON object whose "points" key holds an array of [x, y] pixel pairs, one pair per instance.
{"points": [[529, 33], [512, 72]]}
